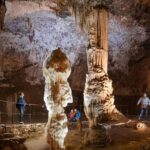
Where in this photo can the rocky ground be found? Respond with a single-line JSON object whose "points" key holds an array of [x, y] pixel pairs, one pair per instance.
{"points": [[13, 136], [123, 137]]}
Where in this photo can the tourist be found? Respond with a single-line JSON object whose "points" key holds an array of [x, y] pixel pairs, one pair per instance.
{"points": [[77, 114], [21, 103], [77, 118], [2, 13], [144, 101], [72, 116]]}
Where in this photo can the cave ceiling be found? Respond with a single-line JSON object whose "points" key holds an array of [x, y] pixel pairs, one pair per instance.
{"points": [[33, 29]]}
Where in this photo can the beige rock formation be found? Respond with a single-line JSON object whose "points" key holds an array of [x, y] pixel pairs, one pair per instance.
{"points": [[98, 94], [57, 95]]}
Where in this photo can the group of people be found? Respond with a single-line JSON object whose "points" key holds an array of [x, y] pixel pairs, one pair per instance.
{"points": [[144, 101], [74, 115]]}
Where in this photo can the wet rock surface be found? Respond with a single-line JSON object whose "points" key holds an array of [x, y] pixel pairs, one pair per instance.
{"points": [[57, 95]]}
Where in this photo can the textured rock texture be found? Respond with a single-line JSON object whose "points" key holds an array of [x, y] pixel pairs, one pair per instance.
{"points": [[12, 137], [57, 95], [32, 31], [98, 93], [128, 31], [28, 38]]}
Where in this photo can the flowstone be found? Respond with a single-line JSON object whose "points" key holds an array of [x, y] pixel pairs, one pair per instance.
{"points": [[57, 95]]}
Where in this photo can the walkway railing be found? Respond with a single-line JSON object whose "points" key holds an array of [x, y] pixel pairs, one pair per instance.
{"points": [[131, 111], [34, 113]]}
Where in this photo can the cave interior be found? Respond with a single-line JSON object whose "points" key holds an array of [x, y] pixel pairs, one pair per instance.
{"points": [[89, 55]]}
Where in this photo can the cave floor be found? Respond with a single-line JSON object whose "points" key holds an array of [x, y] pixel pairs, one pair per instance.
{"points": [[123, 138]]}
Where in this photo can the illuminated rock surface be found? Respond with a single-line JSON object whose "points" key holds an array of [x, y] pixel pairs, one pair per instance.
{"points": [[98, 94], [57, 95], [25, 44], [32, 30]]}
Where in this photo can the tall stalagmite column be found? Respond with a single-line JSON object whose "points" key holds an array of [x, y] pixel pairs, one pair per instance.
{"points": [[98, 40], [98, 98], [57, 95]]}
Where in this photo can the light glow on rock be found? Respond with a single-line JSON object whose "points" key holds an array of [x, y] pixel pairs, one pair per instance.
{"points": [[56, 70]]}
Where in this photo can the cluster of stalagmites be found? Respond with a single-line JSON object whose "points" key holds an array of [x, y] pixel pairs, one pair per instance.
{"points": [[57, 95]]}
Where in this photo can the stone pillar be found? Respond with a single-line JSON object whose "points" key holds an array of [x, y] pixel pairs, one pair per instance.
{"points": [[98, 94], [57, 95], [98, 38]]}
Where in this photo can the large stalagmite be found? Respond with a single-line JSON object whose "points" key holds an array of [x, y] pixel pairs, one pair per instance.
{"points": [[57, 95], [98, 94]]}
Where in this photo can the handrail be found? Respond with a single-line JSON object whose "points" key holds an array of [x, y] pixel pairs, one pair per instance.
{"points": [[15, 102], [34, 110], [33, 113]]}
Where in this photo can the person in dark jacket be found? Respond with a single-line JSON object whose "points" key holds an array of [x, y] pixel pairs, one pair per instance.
{"points": [[3, 10], [21, 103]]}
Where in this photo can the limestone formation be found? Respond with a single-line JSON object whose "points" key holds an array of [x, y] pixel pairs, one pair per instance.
{"points": [[98, 94], [56, 70]]}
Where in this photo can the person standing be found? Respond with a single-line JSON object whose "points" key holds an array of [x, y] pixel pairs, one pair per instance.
{"points": [[72, 116], [21, 103], [77, 118], [144, 101], [3, 10], [77, 114]]}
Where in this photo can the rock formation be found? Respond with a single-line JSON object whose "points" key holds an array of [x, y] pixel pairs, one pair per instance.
{"points": [[98, 97], [57, 95], [22, 52]]}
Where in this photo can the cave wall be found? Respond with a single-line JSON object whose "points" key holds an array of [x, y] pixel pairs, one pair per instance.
{"points": [[32, 30], [25, 44], [129, 46]]}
